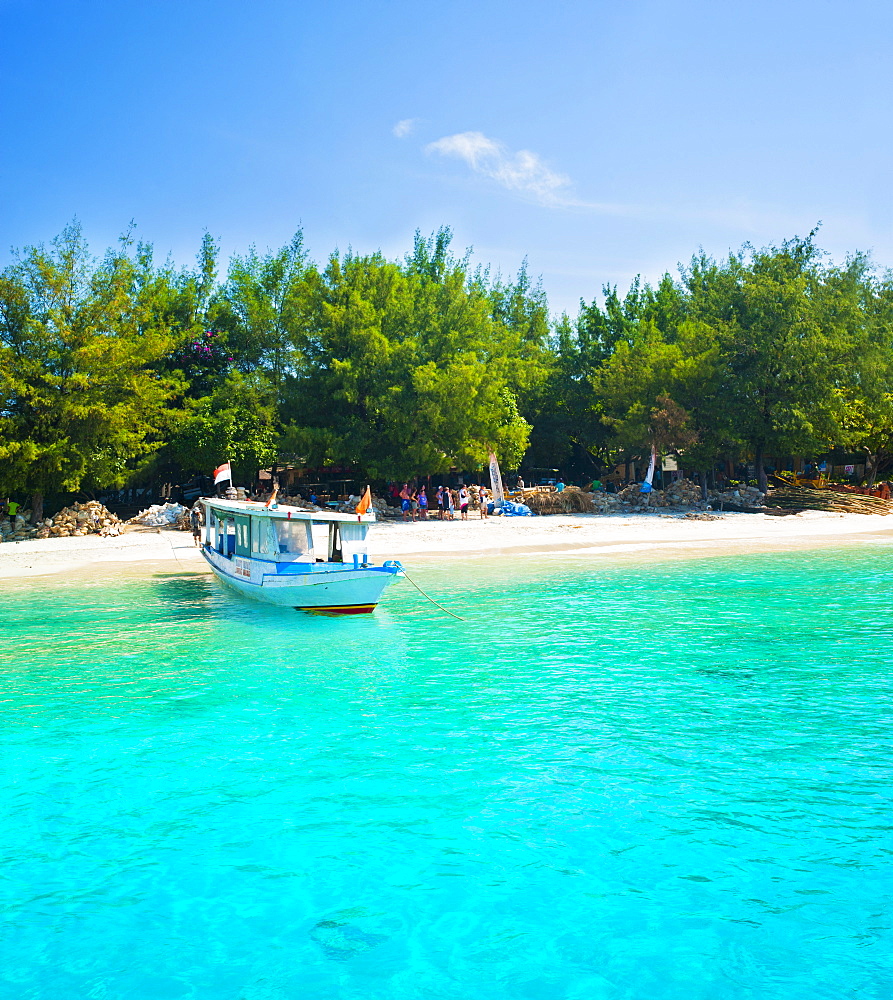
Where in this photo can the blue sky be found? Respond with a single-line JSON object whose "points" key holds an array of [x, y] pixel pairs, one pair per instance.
{"points": [[598, 140]]}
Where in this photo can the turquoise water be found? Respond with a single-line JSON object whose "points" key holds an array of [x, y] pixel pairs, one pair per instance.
{"points": [[655, 783]]}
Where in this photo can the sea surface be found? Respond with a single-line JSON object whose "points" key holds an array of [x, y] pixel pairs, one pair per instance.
{"points": [[649, 782]]}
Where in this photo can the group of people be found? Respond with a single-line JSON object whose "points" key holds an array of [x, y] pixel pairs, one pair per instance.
{"points": [[415, 503]]}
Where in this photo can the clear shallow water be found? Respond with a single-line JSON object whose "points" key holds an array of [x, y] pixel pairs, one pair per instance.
{"points": [[608, 783]]}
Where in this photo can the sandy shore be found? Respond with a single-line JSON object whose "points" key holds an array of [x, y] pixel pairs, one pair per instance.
{"points": [[614, 537], [611, 535]]}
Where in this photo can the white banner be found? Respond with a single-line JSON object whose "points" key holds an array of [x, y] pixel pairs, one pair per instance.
{"points": [[649, 478], [496, 480]]}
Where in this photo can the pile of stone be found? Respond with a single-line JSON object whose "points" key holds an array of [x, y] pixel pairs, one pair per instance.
{"points": [[680, 495], [683, 493], [16, 529], [90, 518], [742, 498], [607, 503], [379, 507], [632, 496], [286, 501], [160, 515], [383, 510]]}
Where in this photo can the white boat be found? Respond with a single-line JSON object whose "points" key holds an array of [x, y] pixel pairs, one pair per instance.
{"points": [[270, 554]]}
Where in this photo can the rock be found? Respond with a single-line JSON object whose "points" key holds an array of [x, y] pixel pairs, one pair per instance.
{"points": [[159, 515], [80, 519]]}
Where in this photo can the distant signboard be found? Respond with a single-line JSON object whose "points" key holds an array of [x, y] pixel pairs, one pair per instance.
{"points": [[669, 464]]}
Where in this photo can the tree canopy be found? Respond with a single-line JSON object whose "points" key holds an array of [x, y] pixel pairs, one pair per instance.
{"points": [[82, 399], [117, 367]]}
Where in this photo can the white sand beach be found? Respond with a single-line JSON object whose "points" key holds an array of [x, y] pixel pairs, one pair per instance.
{"points": [[604, 537]]}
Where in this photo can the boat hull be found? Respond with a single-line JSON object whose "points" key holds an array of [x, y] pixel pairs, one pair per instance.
{"points": [[326, 589]]}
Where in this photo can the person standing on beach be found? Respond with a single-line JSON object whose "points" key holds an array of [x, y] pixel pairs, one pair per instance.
{"points": [[423, 504], [451, 504], [413, 503], [482, 501], [441, 502], [195, 519], [463, 502], [405, 501]]}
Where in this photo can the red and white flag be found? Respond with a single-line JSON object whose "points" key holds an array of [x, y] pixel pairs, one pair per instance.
{"points": [[222, 472]]}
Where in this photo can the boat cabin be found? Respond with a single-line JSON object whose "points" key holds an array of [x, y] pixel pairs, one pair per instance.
{"points": [[285, 534]]}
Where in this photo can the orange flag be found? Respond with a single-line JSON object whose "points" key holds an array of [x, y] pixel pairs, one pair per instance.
{"points": [[365, 502]]}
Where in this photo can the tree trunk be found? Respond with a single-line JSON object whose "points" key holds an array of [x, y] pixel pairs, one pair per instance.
{"points": [[702, 479], [871, 466], [36, 508], [762, 481]]}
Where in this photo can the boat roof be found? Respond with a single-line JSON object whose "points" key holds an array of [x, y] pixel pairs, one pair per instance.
{"points": [[282, 511]]}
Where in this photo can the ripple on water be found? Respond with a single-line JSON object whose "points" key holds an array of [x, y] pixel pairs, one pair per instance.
{"points": [[668, 781]]}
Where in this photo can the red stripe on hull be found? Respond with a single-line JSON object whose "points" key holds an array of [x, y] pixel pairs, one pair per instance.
{"points": [[344, 609]]}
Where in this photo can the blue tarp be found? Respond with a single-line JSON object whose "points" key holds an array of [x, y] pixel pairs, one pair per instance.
{"points": [[510, 509]]}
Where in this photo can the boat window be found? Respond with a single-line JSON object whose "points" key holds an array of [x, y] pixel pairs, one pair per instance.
{"points": [[293, 539], [226, 536], [320, 537], [265, 537], [243, 535], [353, 541]]}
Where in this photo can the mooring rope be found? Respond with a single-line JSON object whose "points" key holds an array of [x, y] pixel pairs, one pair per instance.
{"points": [[431, 599]]}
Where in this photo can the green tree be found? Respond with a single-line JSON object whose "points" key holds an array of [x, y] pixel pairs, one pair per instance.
{"points": [[403, 369], [653, 373], [783, 348], [234, 423], [261, 310], [854, 300], [82, 402]]}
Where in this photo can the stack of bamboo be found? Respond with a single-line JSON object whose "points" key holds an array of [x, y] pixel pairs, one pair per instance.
{"points": [[802, 498]]}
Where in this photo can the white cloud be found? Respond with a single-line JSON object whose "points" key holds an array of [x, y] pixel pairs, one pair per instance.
{"points": [[522, 172], [404, 127]]}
